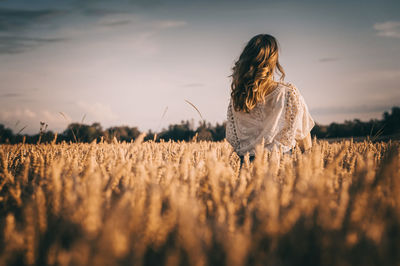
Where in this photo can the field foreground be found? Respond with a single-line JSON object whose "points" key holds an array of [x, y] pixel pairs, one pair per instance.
{"points": [[169, 203]]}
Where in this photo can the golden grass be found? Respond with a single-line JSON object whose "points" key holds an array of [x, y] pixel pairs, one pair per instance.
{"points": [[147, 203]]}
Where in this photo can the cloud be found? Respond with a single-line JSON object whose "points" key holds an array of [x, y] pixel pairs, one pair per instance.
{"points": [[115, 23], [390, 29], [19, 19], [18, 25], [99, 7], [17, 114], [356, 109], [18, 117], [97, 111], [14, 44], [328, 59], [143, 43], [193, 85], [379, 75], [166, 24], [116, 20], [10, 95], [123, 18], [100, 12], [15, 23]]}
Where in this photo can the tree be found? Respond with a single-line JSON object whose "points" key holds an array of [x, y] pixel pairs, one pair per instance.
{"points": [[83, 133], [178, 132], [6, 134], [123, 133]]}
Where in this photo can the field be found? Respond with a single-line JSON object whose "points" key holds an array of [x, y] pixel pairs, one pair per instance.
{"points": [[191, 203]]}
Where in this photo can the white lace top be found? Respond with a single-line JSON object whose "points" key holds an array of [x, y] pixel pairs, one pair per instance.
{"points": [[281, 120]]}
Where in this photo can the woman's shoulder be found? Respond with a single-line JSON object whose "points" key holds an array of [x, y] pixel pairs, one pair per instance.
{"points": [[282, 89], [288, 86], [290, 90]]}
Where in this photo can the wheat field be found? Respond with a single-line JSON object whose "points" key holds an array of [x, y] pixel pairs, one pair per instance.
{"points": [[191, 203]]}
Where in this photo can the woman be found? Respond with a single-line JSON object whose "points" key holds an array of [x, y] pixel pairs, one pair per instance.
{"points": [[262, 108]]}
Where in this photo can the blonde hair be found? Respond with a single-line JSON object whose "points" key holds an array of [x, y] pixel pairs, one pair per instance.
{"points": [[253, 72]]}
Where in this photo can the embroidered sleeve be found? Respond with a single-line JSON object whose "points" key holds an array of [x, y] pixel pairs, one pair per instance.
{"points": [[231, 134], [289, 119], [305, 122]]}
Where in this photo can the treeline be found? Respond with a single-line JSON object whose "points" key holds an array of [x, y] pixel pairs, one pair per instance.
{"points": [[77, 132], [375, 128], [185, 131]]}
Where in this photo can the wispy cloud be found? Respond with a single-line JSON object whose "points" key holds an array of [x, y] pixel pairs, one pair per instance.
{"points": [[144, 43], [166, 24], [117, 19], [97, 111], [99, 7], [31, 118], [15, 23], [19, 19], [328, 59], [390, 29], [100, 12], [11, 95], [26, 114], [356, 109], [20, 26], [378, 75], [14, 44], [114, 23], [193, 85], [12, 117]]}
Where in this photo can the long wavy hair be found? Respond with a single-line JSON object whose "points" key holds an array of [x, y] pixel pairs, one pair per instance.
{"points": [[253, 72]]}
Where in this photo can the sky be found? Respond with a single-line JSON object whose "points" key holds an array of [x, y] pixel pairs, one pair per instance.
{"points": [[134, 63]]}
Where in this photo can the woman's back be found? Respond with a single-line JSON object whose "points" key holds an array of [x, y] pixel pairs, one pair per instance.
{"points": [[261, 108], [280, 120]]}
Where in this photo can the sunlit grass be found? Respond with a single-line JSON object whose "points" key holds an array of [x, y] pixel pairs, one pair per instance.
{"points": [[147, 203]]}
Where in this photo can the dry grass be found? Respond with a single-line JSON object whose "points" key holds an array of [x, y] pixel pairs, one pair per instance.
{"points": [[191, 204]]}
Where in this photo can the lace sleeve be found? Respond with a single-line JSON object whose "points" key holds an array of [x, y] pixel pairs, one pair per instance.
{"points": [[288, 121], [231, 134], [305, 122]]}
